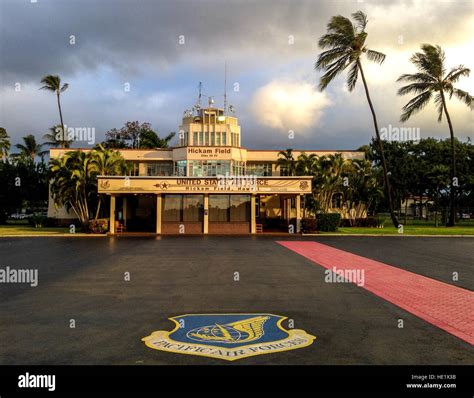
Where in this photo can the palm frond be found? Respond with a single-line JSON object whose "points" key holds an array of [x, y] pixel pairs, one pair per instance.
{"points": [[431, 60], [332, 71], [375, 56], [416, 77], [464, 96], [352, 76], [415, 105], [327, 57], [361, 20], [439, 106], [457, 72], [331, 40], [415, 88], [51, 83]]}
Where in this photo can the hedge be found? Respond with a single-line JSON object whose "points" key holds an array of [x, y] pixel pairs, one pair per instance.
{"points": [[328, 222]]}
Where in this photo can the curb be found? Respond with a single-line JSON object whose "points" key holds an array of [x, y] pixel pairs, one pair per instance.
{"points": [[395, 235]]}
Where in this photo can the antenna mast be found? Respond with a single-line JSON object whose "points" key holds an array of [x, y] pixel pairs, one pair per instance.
{"points": [[199, 97], [225, 88]]}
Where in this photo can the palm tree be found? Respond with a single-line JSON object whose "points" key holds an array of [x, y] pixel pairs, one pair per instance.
{"points": [[57, 141], [433, 81], [286, 162], [4, 143], [73, 179], [305, 164], [71, 183], [106, 162], [149, 140], [53, 83], [345, 44], [30, 148]]}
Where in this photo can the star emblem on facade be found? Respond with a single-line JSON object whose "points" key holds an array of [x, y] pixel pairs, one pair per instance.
{"points": [[162, 185]]}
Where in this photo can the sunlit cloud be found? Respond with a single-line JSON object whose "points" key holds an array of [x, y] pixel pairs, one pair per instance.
{"points": [[289, 105]]}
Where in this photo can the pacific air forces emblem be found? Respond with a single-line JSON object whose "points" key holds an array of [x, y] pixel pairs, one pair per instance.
{"points": [[228, 336]]}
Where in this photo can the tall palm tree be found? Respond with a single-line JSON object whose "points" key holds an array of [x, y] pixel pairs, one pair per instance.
{"points": [[57, 141], [345, 44], [30, 148], [4, 143], [433, 81], [287, 162], [53, 83]]}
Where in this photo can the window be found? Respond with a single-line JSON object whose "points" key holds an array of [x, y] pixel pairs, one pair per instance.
{"points": [[180, 168], [213, 138], [201, 138], [183, 141], [195, 138], [193, 207], [238, 168], [134, 169], [229, 208], [172, 208], [240, 208], [159, 169], [235, 139], [259, 169], [218, 138], [208, 168], [224, 138], [219, 208], [183, 208]]}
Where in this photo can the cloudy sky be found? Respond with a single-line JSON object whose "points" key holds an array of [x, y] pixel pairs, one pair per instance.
{"points": [[162, 49]]}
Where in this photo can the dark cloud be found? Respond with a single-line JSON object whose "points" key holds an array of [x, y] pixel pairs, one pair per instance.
{"points": [[137, 41]]}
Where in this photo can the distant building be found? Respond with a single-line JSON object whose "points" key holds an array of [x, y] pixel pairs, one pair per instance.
{"points": [[206, 184]]}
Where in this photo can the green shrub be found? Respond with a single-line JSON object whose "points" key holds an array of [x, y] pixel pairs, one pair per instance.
{"points": [[38, 220], [380, 221], [99, 226], [308, 225], [328, 222]]}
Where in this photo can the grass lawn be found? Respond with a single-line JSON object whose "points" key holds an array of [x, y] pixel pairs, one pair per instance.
{"points": [[411, 230], [24, 229]]}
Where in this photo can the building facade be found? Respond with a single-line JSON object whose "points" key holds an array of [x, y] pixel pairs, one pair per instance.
{"points": [[207, 184]]}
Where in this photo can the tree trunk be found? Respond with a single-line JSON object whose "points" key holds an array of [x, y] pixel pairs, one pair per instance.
{"points": [[380, 144], [406, 210], [61, 118], [452, 204], [98, 208]]}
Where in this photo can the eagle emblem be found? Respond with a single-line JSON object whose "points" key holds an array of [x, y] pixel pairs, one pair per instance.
{"points": [[241, 331], [228, 336]]}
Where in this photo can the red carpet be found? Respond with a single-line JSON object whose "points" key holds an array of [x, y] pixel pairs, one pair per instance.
{"points": [[448, 307]]}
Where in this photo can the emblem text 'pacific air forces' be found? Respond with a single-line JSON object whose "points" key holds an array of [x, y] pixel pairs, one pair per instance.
{"points": [[228, 336]]}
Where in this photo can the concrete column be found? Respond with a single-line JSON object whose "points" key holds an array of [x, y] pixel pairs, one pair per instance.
{"points": [[298, 214], [253, 221], [206, 214], [158, 213], [124, 210], [112, 214]]}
